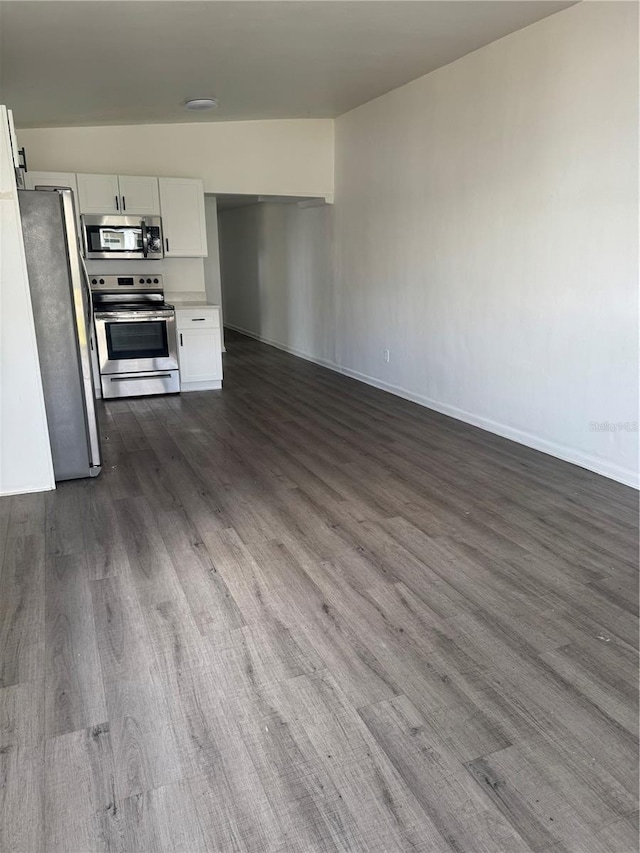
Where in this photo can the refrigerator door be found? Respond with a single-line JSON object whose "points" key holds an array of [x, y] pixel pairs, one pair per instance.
{"points": [[62, 315]]}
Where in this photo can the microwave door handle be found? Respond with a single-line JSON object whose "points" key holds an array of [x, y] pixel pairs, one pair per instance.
{"points": [[145, 238]]}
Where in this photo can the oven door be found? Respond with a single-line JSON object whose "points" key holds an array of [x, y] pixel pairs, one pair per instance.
{"points": [[132, 341], [128, 237]]}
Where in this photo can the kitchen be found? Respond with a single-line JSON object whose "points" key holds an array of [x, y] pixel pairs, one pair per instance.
{"points": [[278, 158], [137, 343]]}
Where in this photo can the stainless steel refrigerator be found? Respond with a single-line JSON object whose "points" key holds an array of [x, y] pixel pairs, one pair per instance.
{"points": [[61, 300]]}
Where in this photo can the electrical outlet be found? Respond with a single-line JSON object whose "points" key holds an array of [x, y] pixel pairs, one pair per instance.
{"points": [[387, 354]]}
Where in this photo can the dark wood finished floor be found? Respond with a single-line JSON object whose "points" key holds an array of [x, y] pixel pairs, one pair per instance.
{"points": [[300, 615]]}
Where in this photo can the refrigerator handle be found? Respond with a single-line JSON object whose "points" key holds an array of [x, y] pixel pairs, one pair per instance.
{"points": [[89, 293]]}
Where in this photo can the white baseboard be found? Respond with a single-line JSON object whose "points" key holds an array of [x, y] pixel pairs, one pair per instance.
{"points": [[30, 491], [567, 454], [204, 385], [305, 355]]}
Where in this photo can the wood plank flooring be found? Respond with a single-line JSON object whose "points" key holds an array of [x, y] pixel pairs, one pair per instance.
{"points": [[300, 615]]}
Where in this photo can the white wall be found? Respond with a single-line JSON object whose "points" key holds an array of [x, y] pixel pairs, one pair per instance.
{"points": [[212, 283], [277, 275], [239, 231], [486, 226], [25, 453], [286, 157], [183, 278]]}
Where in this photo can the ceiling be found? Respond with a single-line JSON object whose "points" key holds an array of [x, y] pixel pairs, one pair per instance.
{"points": [[112, 62]]}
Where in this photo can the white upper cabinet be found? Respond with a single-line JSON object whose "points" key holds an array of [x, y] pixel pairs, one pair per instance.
{"points": [[183, 219], [139, 195], [118, 194], [51, 179], [55, 179], [98, 194], [180, 202]]}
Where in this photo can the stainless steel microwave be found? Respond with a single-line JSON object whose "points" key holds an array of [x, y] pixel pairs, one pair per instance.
{"points": [[122, 237]]}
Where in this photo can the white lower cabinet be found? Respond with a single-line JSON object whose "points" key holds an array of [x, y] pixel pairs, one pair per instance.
{"points": [[199, 348]]}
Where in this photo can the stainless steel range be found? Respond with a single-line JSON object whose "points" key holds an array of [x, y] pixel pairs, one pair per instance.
{"points": [[135, 335]]}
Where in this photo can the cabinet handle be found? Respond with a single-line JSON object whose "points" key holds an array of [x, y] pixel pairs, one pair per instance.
{"points": [[197, 319], [124, 204], [117, 204], [166, 242], [180, 338]]}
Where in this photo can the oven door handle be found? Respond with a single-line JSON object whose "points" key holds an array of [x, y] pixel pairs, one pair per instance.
{"points": [[127, 316], [140, 378], [145, 237]]}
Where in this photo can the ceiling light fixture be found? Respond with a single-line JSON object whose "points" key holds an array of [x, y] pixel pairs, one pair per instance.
{"points": [[200, 104]]}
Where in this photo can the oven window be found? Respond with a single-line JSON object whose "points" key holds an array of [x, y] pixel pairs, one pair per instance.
{"points": [[137, 340]]}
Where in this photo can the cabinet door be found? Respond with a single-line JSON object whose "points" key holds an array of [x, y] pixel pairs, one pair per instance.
{"points": [[200, 355], [98, 194], [139, 195], [183, 221], [55, 179], [52, 179]]}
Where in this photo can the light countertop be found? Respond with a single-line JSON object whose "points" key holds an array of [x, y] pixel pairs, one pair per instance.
{"points": [[188, 303]]}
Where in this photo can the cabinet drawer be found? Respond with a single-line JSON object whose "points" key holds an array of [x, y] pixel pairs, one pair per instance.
{"points": [[197, 318]]}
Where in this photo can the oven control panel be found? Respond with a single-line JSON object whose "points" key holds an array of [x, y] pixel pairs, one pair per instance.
{"points": [[126, 283]]}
